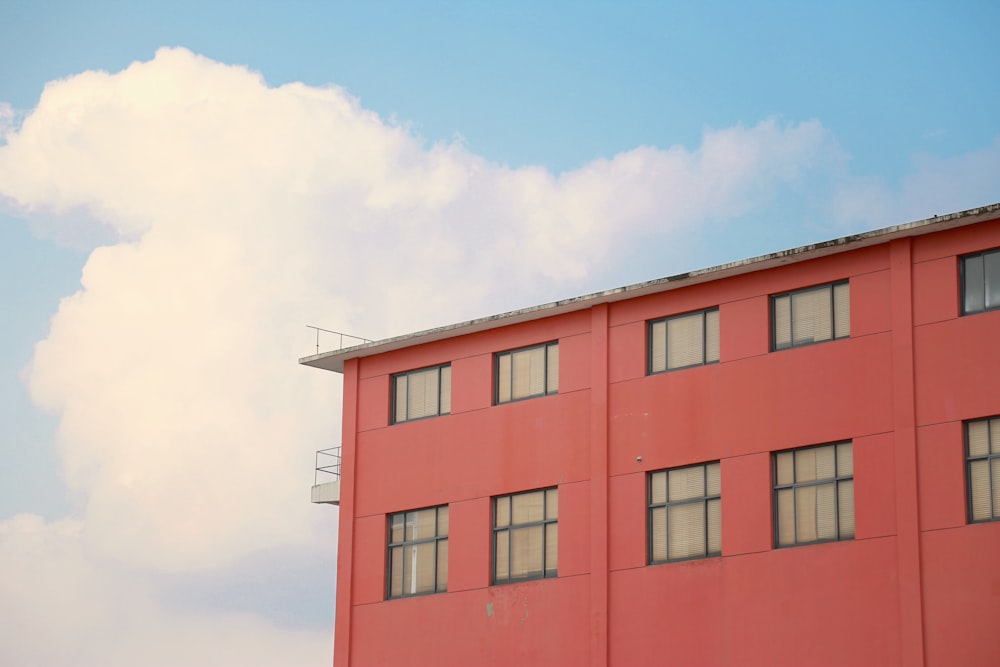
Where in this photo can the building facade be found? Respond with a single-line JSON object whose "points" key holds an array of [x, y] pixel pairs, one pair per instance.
{"points": [[789, 460]]}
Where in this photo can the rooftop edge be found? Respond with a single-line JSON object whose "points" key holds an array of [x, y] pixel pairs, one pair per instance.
{"points": [[334, 360]]}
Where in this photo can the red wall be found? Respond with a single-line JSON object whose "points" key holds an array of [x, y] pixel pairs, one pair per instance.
{"points": [[916, 586]]}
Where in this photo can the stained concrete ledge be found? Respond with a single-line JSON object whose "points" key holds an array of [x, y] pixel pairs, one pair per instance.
{"points": [[327, 493]]}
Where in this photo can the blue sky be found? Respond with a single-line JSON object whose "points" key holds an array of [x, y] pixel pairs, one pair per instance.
{"points": [[441, 161]]}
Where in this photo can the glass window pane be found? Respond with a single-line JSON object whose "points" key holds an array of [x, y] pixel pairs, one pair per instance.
{"points": [[446, 390], [979, 486], [842, 310], [442, 566], [552, 504], [423, 567], [805, 465], [805, 514], [552, 369], [782, 322], [503, 378], [811, 316], [991, 269], [417, 399], [974, 285], [528, 507], [711, 336], [420, 524], [979, 444], [686, 483], [501, 558], [845, 459], [825, 464], [686, 530], [845, 508], [995, 436], [658, 533], [395, 571], [501, 512], [400, 399], [409, 571], [995, 464], [685, 342], [551, 549], [396, 528], [658, 487], [528, 372], [786, 517], [783, 467], [713, 483], [526, 552], [442, 521], [826, 512], [658, 347], [715, 526]]}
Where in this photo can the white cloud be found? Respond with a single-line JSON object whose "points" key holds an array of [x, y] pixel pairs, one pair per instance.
{"points": [[229, 215], [63, 606]]}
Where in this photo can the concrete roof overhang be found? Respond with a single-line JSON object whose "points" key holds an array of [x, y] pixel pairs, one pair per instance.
{"points": [[334, 360]]}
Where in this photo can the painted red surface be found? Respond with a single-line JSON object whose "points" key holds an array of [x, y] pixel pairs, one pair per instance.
{"points": [[917, 586]]}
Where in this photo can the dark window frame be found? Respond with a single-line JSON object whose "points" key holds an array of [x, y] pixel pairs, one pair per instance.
{"points": [[704, 500], [704, 340], [833, 316], [962, 286], [970, 459], [836, 480], [511, 526], [390, 545], [392, 393], [497, 356]]}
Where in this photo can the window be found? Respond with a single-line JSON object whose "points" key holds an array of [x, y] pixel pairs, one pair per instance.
{"points": [[982, 440], [981, 282], [423, 393], [684, 341], [528, 372], [811, 316], [418, 552], [525, 536], [685, 513], [814, 494]]}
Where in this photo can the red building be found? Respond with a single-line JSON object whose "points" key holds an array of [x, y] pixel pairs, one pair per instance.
{"points": [[788, 460]]}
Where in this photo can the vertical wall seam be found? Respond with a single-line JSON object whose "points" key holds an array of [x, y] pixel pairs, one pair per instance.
{"points": [[599, 514], [909, 570]]}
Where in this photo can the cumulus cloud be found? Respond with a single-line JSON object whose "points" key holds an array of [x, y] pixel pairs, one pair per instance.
{"points": [[62, 606], [224, 215], [241, 212]]}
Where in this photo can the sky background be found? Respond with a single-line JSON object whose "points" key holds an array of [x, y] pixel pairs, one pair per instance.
{"points": [[184, 186]]}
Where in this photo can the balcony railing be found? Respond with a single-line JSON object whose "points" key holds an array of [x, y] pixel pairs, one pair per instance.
{"points": [[327, 465], [340, 339], [326, 480]]}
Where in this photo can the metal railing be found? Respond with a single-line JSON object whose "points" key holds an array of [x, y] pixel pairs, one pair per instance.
{"points": [[341, 336], [327, 464]]}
